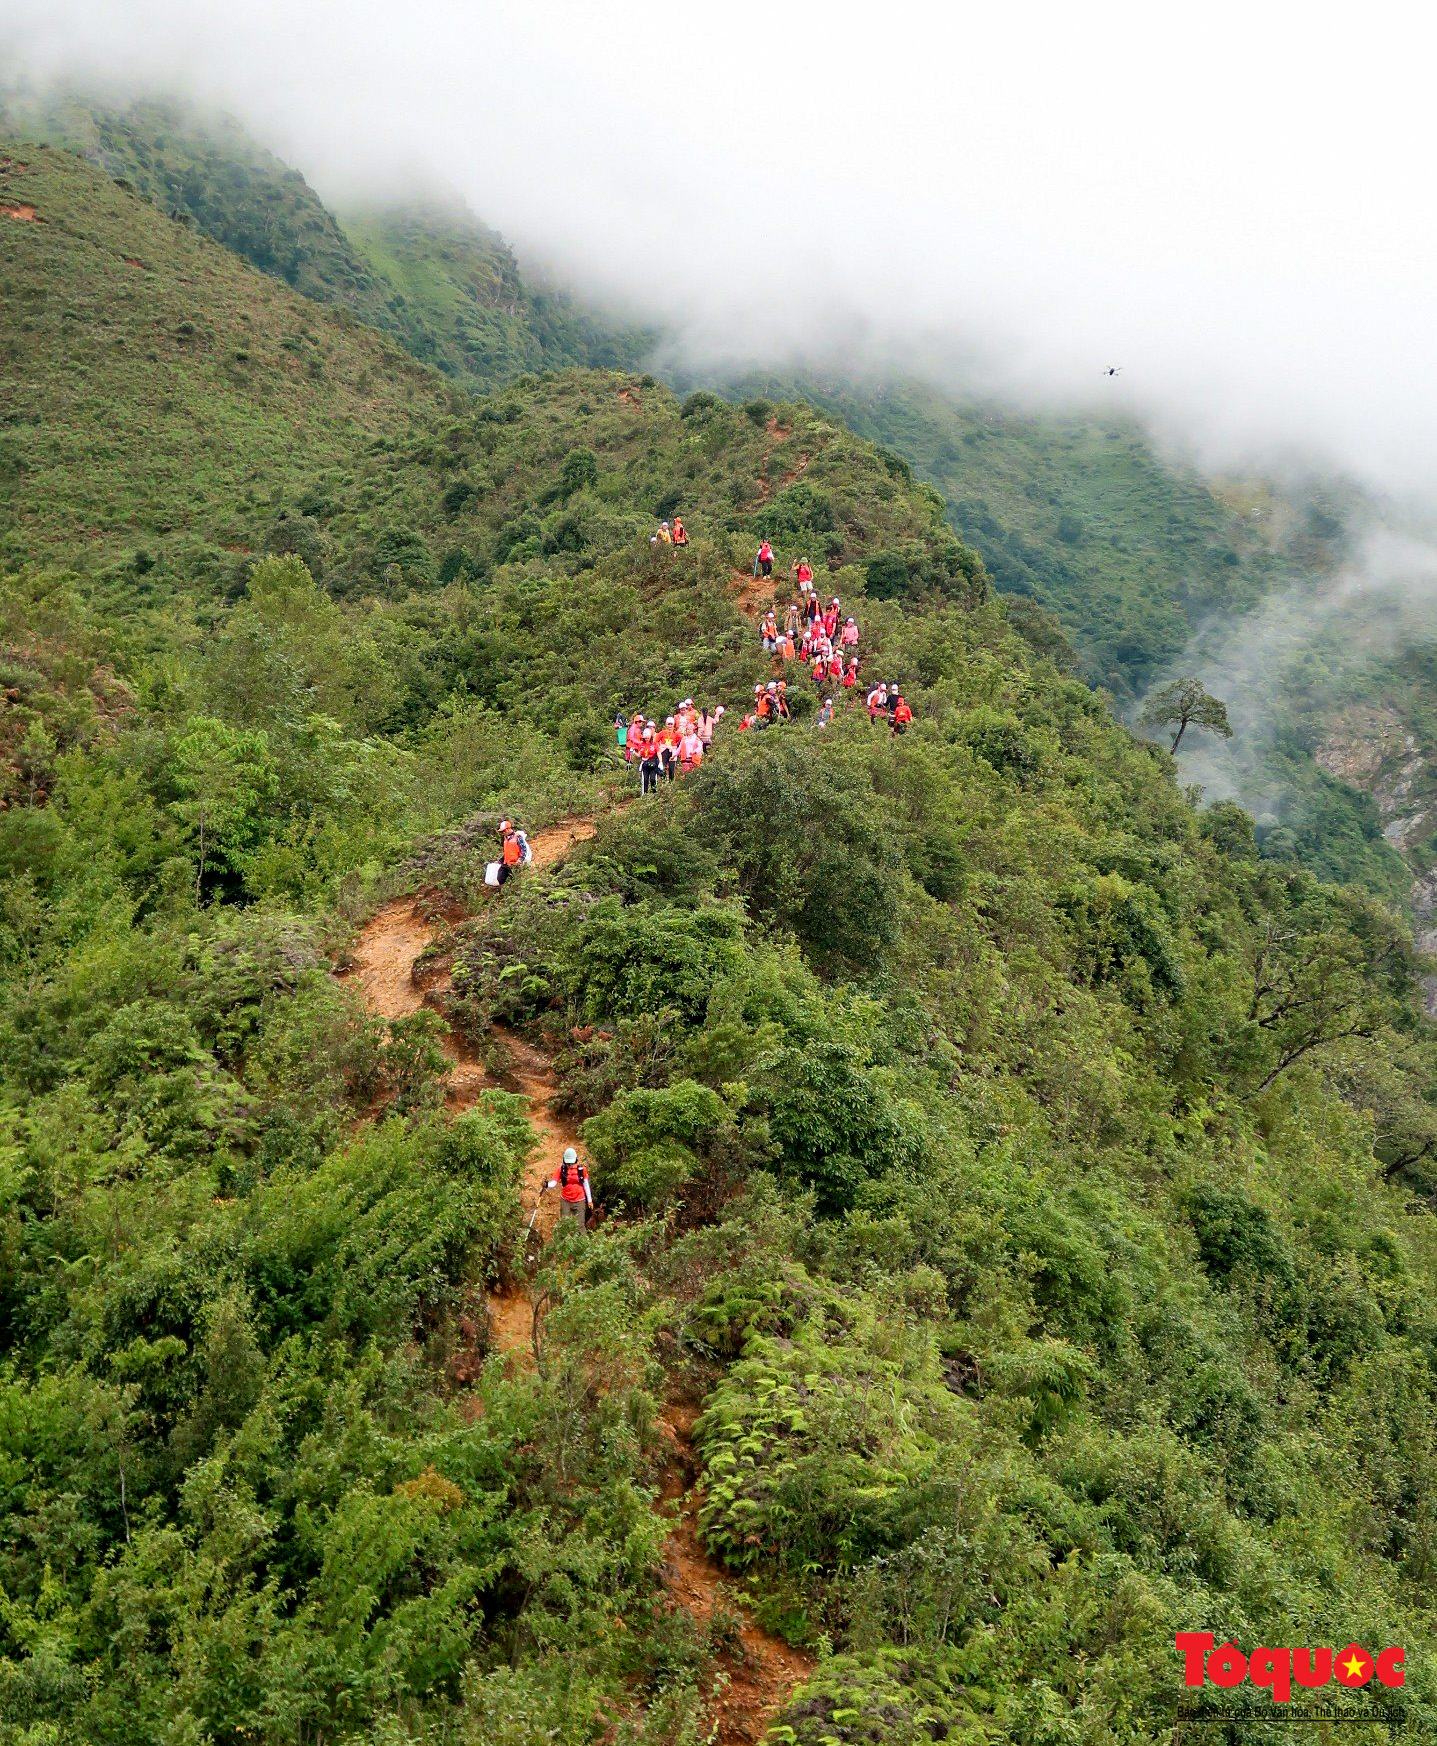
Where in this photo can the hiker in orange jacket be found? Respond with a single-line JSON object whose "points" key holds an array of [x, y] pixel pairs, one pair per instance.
{"points": [[680, 532], [902, 715], [649, 762], [514, 849], [668, 747], [576, 1197]]}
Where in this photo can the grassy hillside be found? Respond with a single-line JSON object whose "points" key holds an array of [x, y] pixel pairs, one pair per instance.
{"points": [[213, 175], [458, 301], [171, 413], [159, 394], [1020, 1185]]}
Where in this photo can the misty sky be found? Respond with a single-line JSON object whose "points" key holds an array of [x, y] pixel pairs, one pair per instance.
{"points": [[1229, 201]]}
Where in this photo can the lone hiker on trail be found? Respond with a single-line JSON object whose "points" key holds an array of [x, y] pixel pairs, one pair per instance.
{"points": [[576, 1198], [515, 850], [763, 560]]}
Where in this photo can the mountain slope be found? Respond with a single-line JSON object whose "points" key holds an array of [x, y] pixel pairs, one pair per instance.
{"points": [[170, 411], [426, 273], [458, 301], [213, 174], [155, 388]]}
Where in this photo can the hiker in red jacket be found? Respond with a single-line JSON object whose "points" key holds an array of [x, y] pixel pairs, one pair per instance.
{"points": [[576, 1198], [902, 715]]}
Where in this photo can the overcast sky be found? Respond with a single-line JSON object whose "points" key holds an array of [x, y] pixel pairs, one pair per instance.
{"points": [[1232, 202]]}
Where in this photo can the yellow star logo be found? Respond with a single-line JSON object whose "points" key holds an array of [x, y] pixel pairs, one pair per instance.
{"points": [[1353, 1666]]}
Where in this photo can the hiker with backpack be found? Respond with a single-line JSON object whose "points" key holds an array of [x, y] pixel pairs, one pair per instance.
{"points": [[680, 532], [576, 1197], [763, 561], [514, 850], [668, 748], [648, 762]]}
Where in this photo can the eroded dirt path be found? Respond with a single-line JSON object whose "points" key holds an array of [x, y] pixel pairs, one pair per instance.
{"points": [[761, 1671], [764, 1671]]}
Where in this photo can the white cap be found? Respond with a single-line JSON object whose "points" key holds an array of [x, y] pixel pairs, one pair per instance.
{"points": [[570, 1155]]}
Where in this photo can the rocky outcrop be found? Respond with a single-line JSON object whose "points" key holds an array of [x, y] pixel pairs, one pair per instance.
{"points": [[1371, 747]]}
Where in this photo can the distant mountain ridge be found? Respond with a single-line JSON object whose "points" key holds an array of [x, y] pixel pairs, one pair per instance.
{"points": [[427, 273]]}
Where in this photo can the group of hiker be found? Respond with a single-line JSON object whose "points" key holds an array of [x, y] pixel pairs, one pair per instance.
{"points": [[825, 639], [670, 533], [673, 747], [820, 636]]}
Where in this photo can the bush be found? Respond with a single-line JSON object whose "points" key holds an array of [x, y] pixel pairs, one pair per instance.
{"points": [[649, 1144]]}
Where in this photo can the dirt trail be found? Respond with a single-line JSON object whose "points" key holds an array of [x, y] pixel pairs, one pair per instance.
{"points": [[753, 593], [762, 1671]]}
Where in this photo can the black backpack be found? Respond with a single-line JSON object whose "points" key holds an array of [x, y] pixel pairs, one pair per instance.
{"points": [[564, 1170]]}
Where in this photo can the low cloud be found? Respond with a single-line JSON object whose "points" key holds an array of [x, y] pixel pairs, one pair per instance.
{"points": [[1234, 211], [1299, 656]]}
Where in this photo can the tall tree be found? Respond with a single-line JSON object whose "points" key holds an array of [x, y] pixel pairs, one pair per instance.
{"points": [[1184, 704]]}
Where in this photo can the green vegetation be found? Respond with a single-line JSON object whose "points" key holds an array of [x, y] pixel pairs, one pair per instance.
{"points": [[1029, 1181], [211, 174]]}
